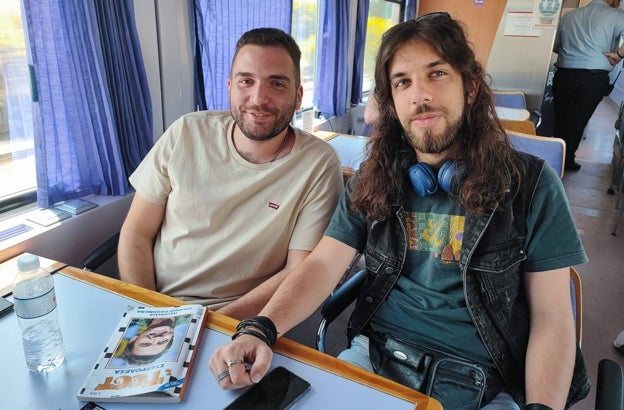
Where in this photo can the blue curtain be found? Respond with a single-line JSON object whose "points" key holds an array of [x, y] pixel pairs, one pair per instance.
{"points": [[93, 117], [358, 58], [219, 24], [331, 82]]}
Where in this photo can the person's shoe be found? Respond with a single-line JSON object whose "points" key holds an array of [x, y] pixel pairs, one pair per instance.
{"points": [[619, 343], [572, 166]]}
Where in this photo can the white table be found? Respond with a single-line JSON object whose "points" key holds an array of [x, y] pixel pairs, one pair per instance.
{"points": [[517, 114], [88, 314], [350, 149]]}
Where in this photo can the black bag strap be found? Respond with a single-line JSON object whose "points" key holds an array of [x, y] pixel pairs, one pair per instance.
{"points": [[616, 77]]}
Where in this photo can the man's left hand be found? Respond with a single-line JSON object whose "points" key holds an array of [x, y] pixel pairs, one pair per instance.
{"points": [[241, 362]]}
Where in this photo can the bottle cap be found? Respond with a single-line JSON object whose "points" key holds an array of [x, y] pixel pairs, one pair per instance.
{"points": [[27, 262]]}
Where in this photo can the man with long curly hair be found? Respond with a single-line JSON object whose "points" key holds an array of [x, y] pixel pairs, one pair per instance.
{"points": [[467, 244]]}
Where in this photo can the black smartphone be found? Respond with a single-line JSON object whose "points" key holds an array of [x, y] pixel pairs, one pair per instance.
{"points": [[278, 390], [5, 306]]}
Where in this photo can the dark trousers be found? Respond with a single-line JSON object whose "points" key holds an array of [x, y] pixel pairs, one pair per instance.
{"points": [[577, 93]]}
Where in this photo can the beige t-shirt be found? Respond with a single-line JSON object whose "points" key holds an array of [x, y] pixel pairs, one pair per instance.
{"points": [[228, 223]]}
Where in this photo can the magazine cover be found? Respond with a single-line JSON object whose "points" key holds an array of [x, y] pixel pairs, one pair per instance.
{"points": [[148, 356]]}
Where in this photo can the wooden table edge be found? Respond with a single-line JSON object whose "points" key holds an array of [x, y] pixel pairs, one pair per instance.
{"points": [[289, 348], [325, 135]]}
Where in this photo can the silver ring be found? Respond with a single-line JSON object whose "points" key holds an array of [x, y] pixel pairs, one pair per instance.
{"points": [[223, 374], [231, 363]]}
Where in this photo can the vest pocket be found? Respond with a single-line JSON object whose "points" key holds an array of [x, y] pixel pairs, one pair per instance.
{"points": [[374, 263], [500, 272], [499, 257]]}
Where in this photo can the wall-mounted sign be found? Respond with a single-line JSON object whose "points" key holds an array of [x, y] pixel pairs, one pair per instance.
{"points": [[546, 12], [520, 24]]}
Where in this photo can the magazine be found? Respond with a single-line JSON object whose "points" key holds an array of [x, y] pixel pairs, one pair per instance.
{"points": [[148, 357]]}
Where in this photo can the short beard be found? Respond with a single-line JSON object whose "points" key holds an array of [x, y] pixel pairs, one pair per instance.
{"points": [[282, 120], [428, 143]]}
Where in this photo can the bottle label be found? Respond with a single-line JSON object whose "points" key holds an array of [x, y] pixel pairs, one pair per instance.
{"points": [[31, 308]]}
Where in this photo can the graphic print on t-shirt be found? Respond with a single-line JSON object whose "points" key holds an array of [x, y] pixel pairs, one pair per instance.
{"points": [[439, 234]]}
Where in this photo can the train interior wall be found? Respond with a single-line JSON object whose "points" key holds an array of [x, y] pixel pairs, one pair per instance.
{"points": [[168, 60]]}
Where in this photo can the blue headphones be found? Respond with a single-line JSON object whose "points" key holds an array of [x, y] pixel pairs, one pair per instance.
{"points": [[425, 181]]}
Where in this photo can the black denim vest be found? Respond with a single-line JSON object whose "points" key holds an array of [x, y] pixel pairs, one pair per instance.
{"points": [[491, 268]]}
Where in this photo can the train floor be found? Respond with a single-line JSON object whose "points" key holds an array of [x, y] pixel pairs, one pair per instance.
{"points": [[593, 210]]}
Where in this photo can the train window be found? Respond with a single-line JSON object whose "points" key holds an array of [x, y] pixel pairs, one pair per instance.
{"points": [[17, 158], [304, 29], [382, 14]]}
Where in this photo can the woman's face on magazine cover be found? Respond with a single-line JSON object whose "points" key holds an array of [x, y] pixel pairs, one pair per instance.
{"points": [[153, 340]]}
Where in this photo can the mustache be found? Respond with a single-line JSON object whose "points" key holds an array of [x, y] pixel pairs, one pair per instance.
{"points": [[422, 109], [264, 108]]}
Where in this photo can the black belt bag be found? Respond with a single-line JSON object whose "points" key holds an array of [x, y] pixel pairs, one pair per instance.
{"points": [[454, 382]]}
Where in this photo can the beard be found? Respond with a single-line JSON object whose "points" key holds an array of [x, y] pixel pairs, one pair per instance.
{"points": [[428, 142], [263, 132]]}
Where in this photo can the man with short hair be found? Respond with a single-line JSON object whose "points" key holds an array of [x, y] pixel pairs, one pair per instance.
{"points": [[228, 203], [467, 243], [587, 44]]}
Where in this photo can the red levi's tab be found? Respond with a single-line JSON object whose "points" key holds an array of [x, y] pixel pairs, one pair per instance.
{"points": [[273, 205]]}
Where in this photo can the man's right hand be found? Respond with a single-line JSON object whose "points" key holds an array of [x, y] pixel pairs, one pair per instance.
{"points": [[241, 362]]}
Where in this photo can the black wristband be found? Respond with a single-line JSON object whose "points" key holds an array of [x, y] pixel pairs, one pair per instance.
{"points": [[252, 332], [536, 406], [617, 51], [263, 324]]}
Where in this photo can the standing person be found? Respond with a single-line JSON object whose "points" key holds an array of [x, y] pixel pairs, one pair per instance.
{"points": [[586, 42], [227, 203], [478, 275]]}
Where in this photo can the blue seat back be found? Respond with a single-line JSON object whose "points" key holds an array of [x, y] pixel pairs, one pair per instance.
{"points": [[550, 149], [512, 99]]}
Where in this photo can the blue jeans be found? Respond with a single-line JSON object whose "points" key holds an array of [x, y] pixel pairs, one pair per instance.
{"points": [[357, 354]]}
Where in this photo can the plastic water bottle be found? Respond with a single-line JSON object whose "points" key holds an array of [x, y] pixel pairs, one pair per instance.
{"points": [[35, 306]]}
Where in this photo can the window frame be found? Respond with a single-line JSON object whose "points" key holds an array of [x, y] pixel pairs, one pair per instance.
{"points": [[26, 194]]}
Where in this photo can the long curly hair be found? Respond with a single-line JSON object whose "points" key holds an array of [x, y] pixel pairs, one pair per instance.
{"points": [[488, 159]]}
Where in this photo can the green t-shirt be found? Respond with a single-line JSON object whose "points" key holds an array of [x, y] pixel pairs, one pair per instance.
{"points": [[427, 305]]}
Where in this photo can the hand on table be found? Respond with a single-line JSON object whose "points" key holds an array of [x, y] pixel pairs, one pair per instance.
{"points": [[241, 362]]}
